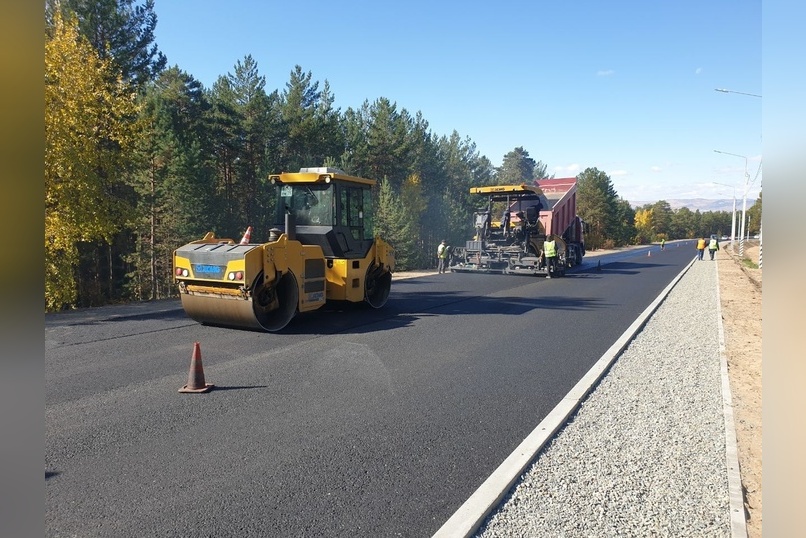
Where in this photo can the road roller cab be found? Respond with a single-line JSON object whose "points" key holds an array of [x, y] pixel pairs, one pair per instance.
{"points": [[322, 247]]}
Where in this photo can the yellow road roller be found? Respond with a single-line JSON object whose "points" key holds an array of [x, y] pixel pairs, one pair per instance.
{"points": [[322, 247]]}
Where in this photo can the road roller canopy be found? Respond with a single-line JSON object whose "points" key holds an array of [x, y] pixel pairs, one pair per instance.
{"points": [[329, 208], [318, 175]]}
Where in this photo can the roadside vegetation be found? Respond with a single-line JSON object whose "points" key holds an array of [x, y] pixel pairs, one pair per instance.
{"points": [[142, 158], [750, 264]]}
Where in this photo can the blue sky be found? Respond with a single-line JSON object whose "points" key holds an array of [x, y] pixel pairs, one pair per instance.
{"points": [[627, 87]]}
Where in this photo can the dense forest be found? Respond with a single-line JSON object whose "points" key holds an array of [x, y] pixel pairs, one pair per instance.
{"points": [[142, 158]]}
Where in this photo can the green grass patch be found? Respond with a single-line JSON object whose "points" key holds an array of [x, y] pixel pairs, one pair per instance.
{"points": [[750, 264]]}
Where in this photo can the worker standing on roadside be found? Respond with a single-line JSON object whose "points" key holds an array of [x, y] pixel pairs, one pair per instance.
{"points": [[662, 243], [700, 248], [550, 252], [442, 256], [713, 246]]}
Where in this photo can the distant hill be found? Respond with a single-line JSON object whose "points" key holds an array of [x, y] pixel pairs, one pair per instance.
{"points": [[703, 204]]}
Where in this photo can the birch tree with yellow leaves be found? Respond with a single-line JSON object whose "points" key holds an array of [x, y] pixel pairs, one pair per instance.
{"points": [[644, 232], [89, 128]]}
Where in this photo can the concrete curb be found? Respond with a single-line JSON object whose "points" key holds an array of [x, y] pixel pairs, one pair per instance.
{"points": [[738, 518]]}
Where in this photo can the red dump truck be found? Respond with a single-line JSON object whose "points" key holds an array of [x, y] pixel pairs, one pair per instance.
{"points": [[515, 221]]}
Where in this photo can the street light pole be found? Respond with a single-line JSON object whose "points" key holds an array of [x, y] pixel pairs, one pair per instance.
{"points": [[733, 215], [746, 179], [744, 202]]}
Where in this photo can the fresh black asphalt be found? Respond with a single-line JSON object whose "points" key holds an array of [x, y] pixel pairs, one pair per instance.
{"points": [[352, 422]]}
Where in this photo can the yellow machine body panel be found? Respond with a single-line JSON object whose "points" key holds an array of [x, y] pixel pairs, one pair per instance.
{"points": [[230, 265], [346, 278], [306, 263]]}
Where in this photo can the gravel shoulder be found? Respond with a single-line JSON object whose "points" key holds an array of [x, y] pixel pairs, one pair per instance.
{"points": [[574, 463], [644, 455]]}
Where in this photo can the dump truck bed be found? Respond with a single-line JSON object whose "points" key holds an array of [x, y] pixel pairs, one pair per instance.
{"points": [[559, 204]]}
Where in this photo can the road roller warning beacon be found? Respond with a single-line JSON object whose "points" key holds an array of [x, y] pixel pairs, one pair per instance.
{"points": [[321, 247]]}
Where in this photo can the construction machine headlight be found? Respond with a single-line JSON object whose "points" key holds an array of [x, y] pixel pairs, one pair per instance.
{"points": [[235, 275], [182, 272]]}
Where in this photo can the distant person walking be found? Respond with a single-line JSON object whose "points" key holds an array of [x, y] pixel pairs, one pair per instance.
{"points": [[662, 244], [442, 256], [700, 248], [713, 246]]}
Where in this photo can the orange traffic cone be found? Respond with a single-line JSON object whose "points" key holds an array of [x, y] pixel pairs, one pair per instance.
{"points": [[196, 374], [247, 236], [649, 253]]}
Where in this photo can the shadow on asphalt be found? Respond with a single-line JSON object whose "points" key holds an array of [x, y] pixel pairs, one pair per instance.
{"points": [[621, 268], [218, 388], [403, 311]]}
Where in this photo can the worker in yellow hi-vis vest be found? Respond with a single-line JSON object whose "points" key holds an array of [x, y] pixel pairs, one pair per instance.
{"points": [[700, 248], [713, 246], [442, 257], [550, 253]]}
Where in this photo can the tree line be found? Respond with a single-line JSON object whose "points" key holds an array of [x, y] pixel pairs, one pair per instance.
{"points": [[142, 158]]}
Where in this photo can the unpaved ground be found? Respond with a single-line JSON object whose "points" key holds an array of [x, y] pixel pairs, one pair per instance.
{"points": [[740, 293]]}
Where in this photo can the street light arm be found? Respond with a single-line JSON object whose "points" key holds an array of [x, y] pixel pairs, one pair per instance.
{"points": [[734, 154], [723, 90]]}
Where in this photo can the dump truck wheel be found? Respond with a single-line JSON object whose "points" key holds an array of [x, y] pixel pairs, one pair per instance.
{"points": [[275, 306]]}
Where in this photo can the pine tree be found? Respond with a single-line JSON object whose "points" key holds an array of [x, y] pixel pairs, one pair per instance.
{"points": [[596, 205], [754, 216], [175, 183], [413, 205], [625, 223], [308, 120], [121, 31], [387, 147], [682, 225], [246, 126], [517, 168], [661, 219], [394, 226]]}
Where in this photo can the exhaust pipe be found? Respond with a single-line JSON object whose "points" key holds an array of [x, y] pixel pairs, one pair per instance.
{"points": [[290, 226]]}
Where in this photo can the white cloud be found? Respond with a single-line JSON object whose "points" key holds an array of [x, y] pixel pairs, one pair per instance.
{"points": [[571, 169], [619, 173], [605, 73], [698, 71], [655, 168]]}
